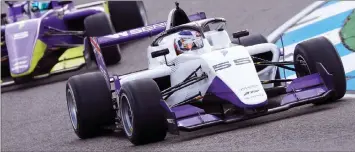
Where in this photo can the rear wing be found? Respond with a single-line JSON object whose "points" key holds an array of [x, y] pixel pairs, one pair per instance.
{"points": [[96, 43], [141, 32]]}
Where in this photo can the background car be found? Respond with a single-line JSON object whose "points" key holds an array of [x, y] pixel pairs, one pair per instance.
{"points": [[43, 38]]}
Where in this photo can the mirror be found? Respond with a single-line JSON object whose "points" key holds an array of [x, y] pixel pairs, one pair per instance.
{"points": [[160, 53], [241, 34]]}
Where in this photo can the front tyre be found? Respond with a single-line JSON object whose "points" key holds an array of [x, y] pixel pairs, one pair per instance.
{"points": [[142, 115], [308, 53], [89, 104]]}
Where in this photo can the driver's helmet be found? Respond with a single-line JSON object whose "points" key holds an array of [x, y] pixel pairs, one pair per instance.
{"points": [[38, 6], [188, 41]]}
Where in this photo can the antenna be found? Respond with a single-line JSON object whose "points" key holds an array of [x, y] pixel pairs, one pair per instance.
{"points": [[177, 5]]}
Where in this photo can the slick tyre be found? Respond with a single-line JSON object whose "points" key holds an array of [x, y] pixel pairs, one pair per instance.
{"points": [[100, 25], [320, 50], [126, 15], [142, 116], [89, 104]]}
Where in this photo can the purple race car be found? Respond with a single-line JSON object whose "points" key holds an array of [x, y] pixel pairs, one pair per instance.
{"points": [[198, 77], [43, 38]]}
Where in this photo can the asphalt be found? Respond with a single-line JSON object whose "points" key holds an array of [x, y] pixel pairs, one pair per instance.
{"points": [[36, 118]]}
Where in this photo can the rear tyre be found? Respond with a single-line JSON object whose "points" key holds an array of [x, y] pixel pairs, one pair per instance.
{"points": [[308, 53], [100, 25], [89, 104], [250, 40], [126, 15], [142, 115]]}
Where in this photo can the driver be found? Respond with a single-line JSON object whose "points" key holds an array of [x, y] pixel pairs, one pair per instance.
{"points": [[37, 6], [187, 41]]}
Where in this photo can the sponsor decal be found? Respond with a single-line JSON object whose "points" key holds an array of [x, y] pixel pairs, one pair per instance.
{"points": [[242, 61], [20, 35], [249, 87], [227, 64], [18, 67], [250, 92], [20, 59], [19, 63], [224, 52], [221, 66], [138, 30], [254, 96]]}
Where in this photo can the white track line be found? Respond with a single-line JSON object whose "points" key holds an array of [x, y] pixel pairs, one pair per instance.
{"points": [[349, 96], [323, 13]]}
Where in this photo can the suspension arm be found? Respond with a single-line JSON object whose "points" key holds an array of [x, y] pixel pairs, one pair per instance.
{"points": [[193, 73], [278, 64], [168, 92], [187, 79], [58, 32], [276, 80]]}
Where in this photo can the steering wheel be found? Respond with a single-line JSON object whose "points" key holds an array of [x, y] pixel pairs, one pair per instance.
{"points": [[177, 29]]}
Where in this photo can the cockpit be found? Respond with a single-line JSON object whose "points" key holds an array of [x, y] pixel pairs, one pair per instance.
{"points": [[182, 36], [191, 35]]}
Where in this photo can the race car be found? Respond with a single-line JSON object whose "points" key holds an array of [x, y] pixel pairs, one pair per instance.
{"points": [[43, 38], [198, 77]]}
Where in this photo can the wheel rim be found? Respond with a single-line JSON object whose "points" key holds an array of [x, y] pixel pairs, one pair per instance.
{"points": [[126, 115], [72, 108], [303, 68]]}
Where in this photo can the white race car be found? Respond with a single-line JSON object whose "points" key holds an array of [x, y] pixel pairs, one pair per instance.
{"points": [[197, 77]]}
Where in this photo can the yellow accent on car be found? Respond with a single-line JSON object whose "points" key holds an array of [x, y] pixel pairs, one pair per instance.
{"points": [[106, 7], [72, 53], [38, 52], [66, 64]]}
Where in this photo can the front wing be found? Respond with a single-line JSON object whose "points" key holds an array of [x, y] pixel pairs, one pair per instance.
{"points": [[301, 91]]}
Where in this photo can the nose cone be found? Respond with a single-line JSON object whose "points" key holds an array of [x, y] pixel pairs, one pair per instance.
{"points": [[21, 38], [234, 77], [243, 97]]}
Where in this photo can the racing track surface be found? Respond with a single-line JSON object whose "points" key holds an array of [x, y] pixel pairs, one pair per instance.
{"points": [[36, 119]]}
